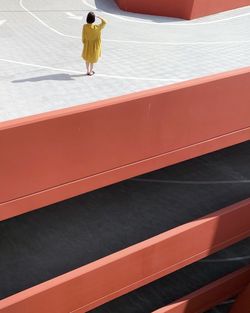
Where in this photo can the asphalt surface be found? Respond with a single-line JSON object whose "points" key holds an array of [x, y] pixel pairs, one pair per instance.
{"points": [[43, 244], [40, 52]]}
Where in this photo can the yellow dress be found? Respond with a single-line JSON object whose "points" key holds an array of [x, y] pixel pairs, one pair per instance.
{"points": [[91, 39]]}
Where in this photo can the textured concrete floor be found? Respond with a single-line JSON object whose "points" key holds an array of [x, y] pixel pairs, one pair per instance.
{"points": [[41, 67], [96, 224]]}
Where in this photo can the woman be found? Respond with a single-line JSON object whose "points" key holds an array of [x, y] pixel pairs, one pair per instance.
{"points": [[91, 39]]}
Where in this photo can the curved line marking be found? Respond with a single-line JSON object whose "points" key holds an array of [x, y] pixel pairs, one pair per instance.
{"points": [[98, 75], [177, 43], [132, 41], [43, 23], [191, 182], [2, 22], [226, 259], [165, 23], [227, 302]]}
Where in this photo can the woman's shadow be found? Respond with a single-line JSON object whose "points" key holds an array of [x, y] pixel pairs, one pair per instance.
{"points": [[59, 77]]}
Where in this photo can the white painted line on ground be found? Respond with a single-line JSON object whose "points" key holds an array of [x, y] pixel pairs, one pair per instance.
{"points": [[191, 182], [235, 259], [42, 22], [165, 23], [169, 43], [140, 78], [71, 15], [41, 66], [2, 22], [97, 75], [134, 41], [74, 17]]}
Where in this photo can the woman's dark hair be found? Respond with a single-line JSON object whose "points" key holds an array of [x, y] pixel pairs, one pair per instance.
{"points": [[90, 18]]}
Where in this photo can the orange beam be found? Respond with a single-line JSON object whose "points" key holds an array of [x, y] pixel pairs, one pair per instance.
{"points": [[101, 281], [211, 295], [187, 9], [57, 155], [208, 7], [174, 8], [242, 304]]}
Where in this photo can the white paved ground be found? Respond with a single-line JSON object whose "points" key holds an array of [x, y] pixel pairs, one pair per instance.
{"points": [[40, 46]]}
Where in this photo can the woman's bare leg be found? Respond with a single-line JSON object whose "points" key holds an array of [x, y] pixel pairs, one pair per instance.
{"points": [[87, 67], [91, 68]]}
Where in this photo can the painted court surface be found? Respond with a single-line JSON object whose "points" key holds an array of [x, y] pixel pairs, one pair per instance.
{"points": [[40, 52]]}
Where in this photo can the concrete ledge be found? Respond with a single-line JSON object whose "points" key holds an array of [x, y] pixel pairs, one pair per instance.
{"points": [[187, 9], [54, 156], [96, 283]]}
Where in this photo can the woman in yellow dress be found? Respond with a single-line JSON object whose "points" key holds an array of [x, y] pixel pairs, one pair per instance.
{"points": [[91, 39]]}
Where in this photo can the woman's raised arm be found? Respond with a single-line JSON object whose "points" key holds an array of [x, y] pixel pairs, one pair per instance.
{"points": [[103, 23]]}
